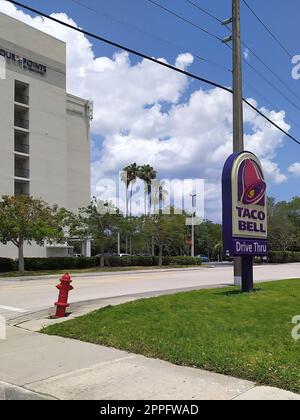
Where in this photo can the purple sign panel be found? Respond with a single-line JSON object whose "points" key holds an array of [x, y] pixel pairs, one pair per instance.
{"points": [[244, 206], [250, 247]]}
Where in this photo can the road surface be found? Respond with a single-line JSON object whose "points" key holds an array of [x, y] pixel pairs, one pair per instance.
{"points": [[21, 297]]}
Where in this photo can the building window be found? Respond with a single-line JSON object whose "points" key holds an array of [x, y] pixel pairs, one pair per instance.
{"points": [[21, 93], [22, 139], [21, 188], [21, 117], [22, 142], [22, 167]]}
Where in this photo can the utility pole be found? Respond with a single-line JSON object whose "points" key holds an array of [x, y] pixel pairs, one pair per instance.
{"points": [[193, 226], [238, 121], [119, 242]]}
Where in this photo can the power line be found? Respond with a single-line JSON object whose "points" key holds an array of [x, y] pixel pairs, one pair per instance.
{"points": [[268, 30], [265, 99], [136, 28], [270, 121], [272, 85], [260, 60], [146, 57], [272, 71], [185, 20], [120, 46], [202, 58], [204, 11]]}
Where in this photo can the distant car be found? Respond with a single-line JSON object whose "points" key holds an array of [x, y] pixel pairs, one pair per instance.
{"points": [[228, 259], [77, 255], [106, 254], [124, 255], [203, 258]]}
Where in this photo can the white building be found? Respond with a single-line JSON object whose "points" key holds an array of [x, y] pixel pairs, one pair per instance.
{"points": [[44, 132]]}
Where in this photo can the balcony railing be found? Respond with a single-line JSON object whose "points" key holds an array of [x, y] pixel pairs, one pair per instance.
{"points": [[22, 173], [21, 98], [22, 123], [22, 148]]}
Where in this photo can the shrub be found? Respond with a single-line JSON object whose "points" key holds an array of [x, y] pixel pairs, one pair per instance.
{"points": [[182, 261], [66, 263], [281, 257], [70, 263], [7, 264]]}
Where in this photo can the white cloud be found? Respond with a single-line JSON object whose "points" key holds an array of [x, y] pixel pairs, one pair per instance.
{"points": [[246, 53], [141, 113], [294, 169]]}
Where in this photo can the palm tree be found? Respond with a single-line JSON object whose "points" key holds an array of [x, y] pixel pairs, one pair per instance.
{"points": [[129, 176], [159, 194], [147, 174]]}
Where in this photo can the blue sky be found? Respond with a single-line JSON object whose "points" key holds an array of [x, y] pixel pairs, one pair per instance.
{"points": [[153, 23]]}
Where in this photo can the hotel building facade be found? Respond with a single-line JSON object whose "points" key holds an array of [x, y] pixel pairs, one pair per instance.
{"points": [[44, 131]]}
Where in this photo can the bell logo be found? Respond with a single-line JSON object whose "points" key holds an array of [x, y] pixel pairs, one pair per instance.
{"points": [[254, 187]]}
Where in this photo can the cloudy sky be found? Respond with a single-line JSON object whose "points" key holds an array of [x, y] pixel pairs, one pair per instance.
{"points": [[147, 114]]}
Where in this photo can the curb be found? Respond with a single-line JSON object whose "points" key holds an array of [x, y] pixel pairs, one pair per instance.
{"points": [[101, 274], [9, 392]]}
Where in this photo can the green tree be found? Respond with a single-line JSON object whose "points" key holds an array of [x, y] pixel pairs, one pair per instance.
{"points": [[167, 230], [26, 219], [207, 236], [100, 221], [284, 224]]}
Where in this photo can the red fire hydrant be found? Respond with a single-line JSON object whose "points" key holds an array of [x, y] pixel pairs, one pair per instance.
{"points": [[64, 289]]}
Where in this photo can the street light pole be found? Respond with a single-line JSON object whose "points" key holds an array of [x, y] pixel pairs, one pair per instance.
{"points": [[193, 227]]}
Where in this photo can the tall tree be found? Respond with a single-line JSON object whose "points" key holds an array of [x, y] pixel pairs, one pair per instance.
{"points": [[159, 194], [147, 174], [129, 177], [25, 219]]}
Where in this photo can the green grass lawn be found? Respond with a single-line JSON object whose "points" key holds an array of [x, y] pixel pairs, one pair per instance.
{"points": [[246, 336], [90, 270]]}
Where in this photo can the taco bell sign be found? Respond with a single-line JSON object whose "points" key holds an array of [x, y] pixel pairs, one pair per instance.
{"points": [[244, 206]]}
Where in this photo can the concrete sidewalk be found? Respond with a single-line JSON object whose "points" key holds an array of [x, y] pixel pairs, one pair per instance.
{"points": [[36, 366]]}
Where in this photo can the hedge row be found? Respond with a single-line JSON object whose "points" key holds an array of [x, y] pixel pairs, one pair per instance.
{"points": [[40, 264], [6, 265], [69, 263], [280, 257]]}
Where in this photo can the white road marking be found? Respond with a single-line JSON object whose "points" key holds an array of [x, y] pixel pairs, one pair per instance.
{"points": [[12, 309]]}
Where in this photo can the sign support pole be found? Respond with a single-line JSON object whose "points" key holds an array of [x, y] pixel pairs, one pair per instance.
{"points": [[247, 274]]}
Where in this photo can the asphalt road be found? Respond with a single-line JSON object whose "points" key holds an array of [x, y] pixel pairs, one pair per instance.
{"points": [[21, 297]]}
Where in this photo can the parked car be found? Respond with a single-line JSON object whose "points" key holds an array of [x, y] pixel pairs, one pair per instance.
{"points": [[77, 255], [203, 258], [106, 254]]}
